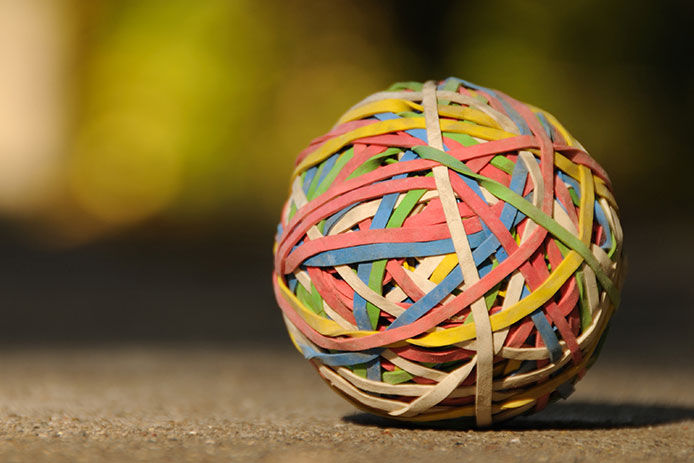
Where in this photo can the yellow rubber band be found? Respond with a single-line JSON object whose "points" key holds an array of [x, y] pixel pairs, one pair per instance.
{"points": [[393, 125], [505, 318], [322, 325], [392, 105], [444, 268], [396, 105], [585, 219]]}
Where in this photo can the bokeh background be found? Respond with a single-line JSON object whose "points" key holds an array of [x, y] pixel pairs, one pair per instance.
{"points": [[146, 145]]}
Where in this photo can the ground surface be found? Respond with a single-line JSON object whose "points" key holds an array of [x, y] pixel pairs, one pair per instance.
{"points": [[223, 404]]}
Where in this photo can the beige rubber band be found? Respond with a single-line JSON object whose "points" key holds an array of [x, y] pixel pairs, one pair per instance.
{"points": [[485, 351]]}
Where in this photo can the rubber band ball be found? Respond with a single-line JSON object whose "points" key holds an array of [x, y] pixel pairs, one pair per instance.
{"points": [[447, 251]]}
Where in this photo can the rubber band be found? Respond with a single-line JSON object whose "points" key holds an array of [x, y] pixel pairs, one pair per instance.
{"points": [[448, 251]]}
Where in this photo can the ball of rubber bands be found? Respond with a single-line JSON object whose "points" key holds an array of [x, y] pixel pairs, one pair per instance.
{"points": [[447, 251]]}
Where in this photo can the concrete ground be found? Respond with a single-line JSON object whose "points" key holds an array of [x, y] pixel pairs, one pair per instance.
{"points": [[224, 404]]}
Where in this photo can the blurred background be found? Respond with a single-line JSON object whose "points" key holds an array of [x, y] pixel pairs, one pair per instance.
{"points": [[146, 147]]}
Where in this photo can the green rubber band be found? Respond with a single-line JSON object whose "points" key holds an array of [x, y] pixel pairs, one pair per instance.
{"points": [[373, 163], [503, 163], [334, 172], [536, 215], [396, 376]]}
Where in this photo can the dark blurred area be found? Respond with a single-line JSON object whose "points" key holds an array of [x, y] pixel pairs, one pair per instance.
{"points": [[146, 147]]}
